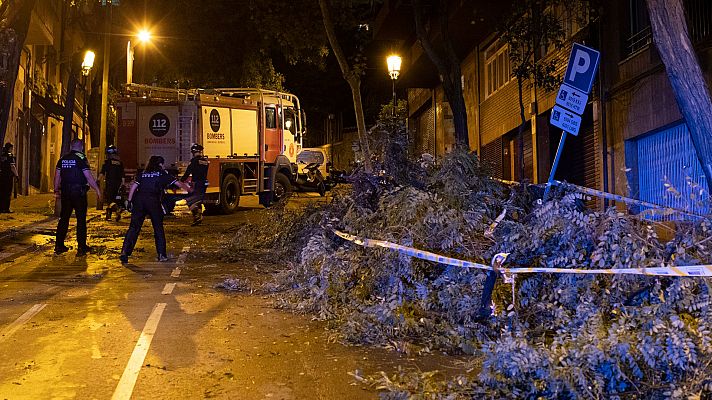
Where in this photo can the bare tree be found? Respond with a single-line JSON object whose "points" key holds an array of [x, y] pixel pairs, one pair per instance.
{"points": [[447, 64], [353, 77]]}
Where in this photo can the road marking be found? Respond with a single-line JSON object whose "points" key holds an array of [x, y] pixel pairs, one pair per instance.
{"points": [[180, 261], [183, 255], [13, 327], [168, 289], [128, 380]]}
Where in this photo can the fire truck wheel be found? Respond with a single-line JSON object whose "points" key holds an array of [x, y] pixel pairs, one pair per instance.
{"points": [[282, 187], [229, 194]]}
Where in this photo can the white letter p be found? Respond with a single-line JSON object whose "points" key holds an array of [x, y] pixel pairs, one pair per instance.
{"points": [[581, 63]]}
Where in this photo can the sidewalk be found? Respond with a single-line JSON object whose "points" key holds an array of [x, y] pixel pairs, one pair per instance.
{"points": [[29, 210]]}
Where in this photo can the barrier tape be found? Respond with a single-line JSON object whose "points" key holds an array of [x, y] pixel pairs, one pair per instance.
{"points": [[627, 200], [498, 259], [653, 208]]}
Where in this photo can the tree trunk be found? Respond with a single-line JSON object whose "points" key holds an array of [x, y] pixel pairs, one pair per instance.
{"points": [[667, 18], [352, 78], [12, 39], [68, 113], [448, 67]]}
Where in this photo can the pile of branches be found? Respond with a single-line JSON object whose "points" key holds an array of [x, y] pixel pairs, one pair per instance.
{"points": [[548, 335]]}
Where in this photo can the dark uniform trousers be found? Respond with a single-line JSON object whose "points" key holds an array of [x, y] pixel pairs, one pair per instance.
{"points": [[145, 205], [74, 198], [198, 194], [111, 191], [6, 185]]}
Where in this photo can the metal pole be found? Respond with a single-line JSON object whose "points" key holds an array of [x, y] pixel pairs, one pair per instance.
{"points": [[556, 164], [394, 98], [104, 92], [84, 108]]}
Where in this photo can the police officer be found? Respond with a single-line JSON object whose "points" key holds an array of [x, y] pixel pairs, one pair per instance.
{"points": [[145, 200], [70, 185], [8, 174], [198, 168], [113, 173]]}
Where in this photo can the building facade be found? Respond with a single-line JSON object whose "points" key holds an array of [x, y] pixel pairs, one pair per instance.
{"points": [[35, 122], [633, 140]]}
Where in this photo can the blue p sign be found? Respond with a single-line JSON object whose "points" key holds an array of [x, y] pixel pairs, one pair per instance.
{"points": [[583, 64]]}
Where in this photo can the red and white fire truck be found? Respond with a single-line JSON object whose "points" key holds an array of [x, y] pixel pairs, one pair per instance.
{"points": [[250, 136]]}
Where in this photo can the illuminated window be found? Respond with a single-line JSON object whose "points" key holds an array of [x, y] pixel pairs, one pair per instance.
{"points": [[498, 71]]}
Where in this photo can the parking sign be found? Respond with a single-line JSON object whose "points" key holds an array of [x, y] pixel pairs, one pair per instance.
{"points": [[566, 120], [583, 63], [572, 99]]}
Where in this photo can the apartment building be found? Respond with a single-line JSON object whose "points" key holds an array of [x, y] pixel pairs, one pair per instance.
{"points": [[35, 122], [633, 140]]}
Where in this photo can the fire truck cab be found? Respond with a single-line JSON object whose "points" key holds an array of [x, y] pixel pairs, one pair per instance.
{"points": [[250, 136]]}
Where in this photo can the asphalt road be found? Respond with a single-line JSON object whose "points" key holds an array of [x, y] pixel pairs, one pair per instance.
{"points": [[90, 328]]}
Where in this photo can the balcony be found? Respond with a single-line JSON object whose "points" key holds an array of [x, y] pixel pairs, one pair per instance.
{"points": [[41, 30]]}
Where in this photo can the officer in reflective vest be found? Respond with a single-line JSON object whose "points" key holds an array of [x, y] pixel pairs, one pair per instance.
{"points": [[113, 173], [198, 168], [145, 200], [8, 174], [70, 185]]}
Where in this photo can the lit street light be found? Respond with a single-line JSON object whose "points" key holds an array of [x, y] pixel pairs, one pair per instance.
{"points": [[87, 65], [144, 36], [394, 66]]}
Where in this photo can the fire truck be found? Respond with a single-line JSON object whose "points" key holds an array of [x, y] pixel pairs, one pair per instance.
{"points": [[250, 136]]}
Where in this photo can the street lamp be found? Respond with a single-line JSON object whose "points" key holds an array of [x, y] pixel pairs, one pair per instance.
{"points": [[394, 66], [87, 65], [144, 36]]}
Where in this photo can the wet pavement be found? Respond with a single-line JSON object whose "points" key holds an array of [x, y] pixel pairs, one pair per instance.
{"points": [[91, 328]]}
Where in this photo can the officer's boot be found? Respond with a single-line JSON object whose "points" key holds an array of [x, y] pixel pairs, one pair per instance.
{"points": [[197, 211], [109, 210]]}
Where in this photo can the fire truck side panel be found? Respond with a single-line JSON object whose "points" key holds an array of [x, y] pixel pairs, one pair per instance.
{"points": [[214, 176], [157, 133], [216, 131], [126, 135], [245, 137]]}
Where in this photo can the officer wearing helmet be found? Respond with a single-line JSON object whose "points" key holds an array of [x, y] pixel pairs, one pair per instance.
{"points": [[113, 173], [198, 169], [145, 200]]}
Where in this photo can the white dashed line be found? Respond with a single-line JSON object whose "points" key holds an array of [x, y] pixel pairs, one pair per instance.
{"points": [[128, 380], [13, 327], [168, 289], [183, 255], [180, 261]]}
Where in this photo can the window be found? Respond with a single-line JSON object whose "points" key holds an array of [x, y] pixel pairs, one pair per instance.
{"points": [[290, 120], [270, 118], [639, 34], [498, 71]]}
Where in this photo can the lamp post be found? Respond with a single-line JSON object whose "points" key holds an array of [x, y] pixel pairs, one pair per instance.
{"points": [[87, 65], [394, 66], [144, 37]]}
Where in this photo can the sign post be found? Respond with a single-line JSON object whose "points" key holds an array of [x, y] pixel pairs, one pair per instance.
{"points": [[572, 98]]}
